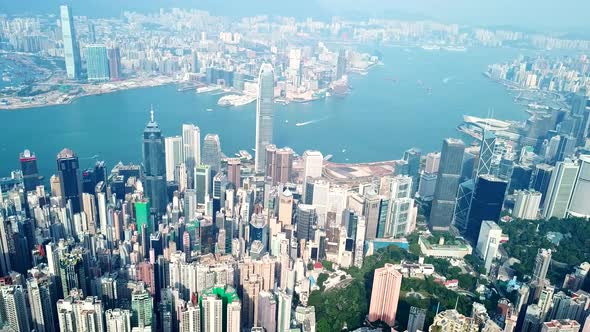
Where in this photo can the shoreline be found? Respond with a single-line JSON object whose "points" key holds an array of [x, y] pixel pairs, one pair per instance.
{"points": [[125, 85]]}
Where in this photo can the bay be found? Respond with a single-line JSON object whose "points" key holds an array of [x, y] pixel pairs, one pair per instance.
{"points": [[416, 99]]}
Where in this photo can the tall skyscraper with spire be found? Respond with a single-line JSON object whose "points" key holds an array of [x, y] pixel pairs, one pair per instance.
{"points": [[71, 49], [264, 115], [154, 162]]}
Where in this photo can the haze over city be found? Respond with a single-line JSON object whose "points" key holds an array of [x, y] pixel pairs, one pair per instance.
{"points": [[266, 166]]}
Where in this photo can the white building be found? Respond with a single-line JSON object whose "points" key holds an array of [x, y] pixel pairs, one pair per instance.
{"points": [[118, 320], [579, 206], [173, 150], [313, 162], [560, 189], [488, 242], [526, 204]]}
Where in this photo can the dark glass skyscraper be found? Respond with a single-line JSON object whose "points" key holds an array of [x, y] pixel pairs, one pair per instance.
{"points": [[69, 178], [449, 174], [154, 162], [541, 178], [28, 165], [487, 202]]}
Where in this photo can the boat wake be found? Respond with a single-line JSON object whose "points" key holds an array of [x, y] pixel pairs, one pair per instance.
{"points": [[448, 79], [301, 124]]}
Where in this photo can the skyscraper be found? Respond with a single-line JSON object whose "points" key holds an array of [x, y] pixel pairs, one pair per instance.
{"points": [[449, 174], [264, 114], [306, 221], [118, 320], [412, 157], [526, 204], [488, 242], [284, 312], [341, 64], [71, 271], [313, 162], [279, 164], [71, 49], [202, 183], [28, 165], [578, 205], [114, 55], [42, 293], [284, 165], [69, 179], [212, 313], [234, 166], [173, 152], [541, 178], [141, 308], [559, 191], [97, 62], [270, 161], [212, 153], [486, 153], [191, 144], [542, 261], [15, 308], [387, 282], [416, 319], [488, 199], [154, 162]]}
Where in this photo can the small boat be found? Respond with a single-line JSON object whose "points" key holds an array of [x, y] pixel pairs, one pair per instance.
{"points": [[209, 110]]}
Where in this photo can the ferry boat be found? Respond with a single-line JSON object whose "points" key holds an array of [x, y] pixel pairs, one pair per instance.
{"points": [[431, 47], [205, 89], [235, 100]]}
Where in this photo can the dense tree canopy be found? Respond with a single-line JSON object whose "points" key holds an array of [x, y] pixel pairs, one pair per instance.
{"points": [[527, 236]]}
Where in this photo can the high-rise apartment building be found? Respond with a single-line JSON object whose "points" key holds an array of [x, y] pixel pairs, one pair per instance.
{"points": [[526, 204], [387, 282], [416, 319], [14, 307]]}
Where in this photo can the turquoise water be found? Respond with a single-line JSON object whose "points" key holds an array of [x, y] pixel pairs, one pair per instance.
{"points": [[378, 121]]}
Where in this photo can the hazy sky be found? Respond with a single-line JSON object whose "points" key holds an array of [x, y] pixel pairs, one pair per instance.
{"points": [[547, 15]]}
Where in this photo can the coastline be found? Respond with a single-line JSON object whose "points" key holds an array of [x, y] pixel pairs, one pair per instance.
{"points": [[90, 90]]}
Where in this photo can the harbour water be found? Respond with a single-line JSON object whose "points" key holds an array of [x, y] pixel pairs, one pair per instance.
{"points": [[416, 98]]}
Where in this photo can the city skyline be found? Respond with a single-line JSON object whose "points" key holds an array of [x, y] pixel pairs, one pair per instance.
{"points": [[174, 170]]}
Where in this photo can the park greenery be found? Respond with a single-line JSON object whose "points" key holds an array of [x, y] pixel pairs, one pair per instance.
{"points": [[348, 306], [527, 236]]}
